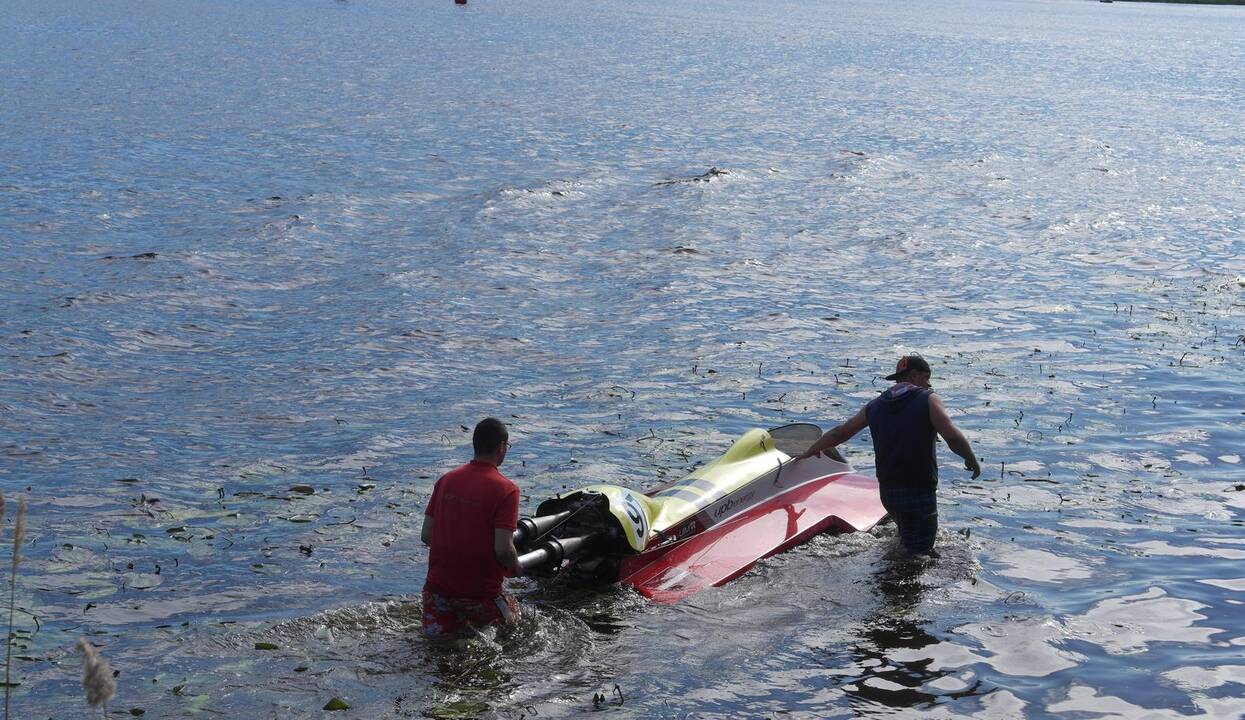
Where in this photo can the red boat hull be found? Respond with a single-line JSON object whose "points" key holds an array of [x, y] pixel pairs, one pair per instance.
{"points": [[843, 501]]}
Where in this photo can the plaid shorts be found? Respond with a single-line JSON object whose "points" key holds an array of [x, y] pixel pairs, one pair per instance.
{"points": [[915, 513], [444, 615]]}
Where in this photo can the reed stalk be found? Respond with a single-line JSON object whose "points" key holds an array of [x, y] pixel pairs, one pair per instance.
{"points": [[19, 535], [7, 689]]}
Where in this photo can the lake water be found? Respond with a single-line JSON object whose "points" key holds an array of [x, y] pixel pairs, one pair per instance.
{"points": [[262, 263]]}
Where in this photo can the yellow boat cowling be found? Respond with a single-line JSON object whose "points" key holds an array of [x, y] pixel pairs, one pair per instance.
{"points": [[750, 457], [641, 517], [633, 511]]}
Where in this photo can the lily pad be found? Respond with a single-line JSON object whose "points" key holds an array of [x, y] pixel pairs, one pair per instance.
{"points": [[266, 646], [336, 704], [141, 581], [459, 709]]}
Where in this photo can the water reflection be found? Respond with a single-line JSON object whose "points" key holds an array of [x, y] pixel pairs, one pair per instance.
{"points": [[1082, 700], [1043, 566], [1131, 623], [897, 625]]}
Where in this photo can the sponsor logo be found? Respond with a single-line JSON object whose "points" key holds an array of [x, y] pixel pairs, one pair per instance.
{"points": [[731, 504]]}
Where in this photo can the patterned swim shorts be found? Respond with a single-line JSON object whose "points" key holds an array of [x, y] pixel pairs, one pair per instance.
{"points": [[444, 615], [915, 512]]}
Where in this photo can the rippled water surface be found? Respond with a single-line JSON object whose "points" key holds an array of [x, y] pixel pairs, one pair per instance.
{"points": [[262, 264]]}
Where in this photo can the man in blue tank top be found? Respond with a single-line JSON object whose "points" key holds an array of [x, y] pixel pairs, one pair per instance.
{"points": [[903, 421]]}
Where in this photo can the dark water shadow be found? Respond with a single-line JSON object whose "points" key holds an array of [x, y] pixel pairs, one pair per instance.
{"points": [[898, 624]]}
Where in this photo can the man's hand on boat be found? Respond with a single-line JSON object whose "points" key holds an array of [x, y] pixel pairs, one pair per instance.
{"points": [[832, 453], [828, 443]]}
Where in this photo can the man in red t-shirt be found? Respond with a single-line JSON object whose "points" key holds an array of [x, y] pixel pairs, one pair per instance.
{"points": [[469, 528]]}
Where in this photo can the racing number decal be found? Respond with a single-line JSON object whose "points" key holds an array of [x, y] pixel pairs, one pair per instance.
{"points": [[639, 521]]}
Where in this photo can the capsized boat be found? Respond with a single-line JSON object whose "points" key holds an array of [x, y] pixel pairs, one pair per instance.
{"points": [[705, 529]]}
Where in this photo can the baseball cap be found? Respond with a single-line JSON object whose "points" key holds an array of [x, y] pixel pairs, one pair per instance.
{"points": [[909, 362]]}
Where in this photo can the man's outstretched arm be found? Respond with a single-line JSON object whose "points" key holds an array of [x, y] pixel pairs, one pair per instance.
{"points": [[838, 435], [952, 435]]}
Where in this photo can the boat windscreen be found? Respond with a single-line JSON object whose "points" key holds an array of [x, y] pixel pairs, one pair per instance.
{"points": [[795, 438]]}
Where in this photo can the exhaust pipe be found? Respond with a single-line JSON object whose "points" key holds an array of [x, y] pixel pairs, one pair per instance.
{"points": [[531, 528], [553, 551]]}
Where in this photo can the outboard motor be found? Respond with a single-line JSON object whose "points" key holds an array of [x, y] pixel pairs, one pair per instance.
{"points": [[530, 529]]}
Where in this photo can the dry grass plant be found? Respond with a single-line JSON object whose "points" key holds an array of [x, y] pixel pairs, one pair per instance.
{"points": [[8, 689], [19, 536], [97, 678]]}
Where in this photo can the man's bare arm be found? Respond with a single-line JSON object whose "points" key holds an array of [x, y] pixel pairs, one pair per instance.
{"points": [[503, 549], [838, 435], [952, 435], [425, 533]]}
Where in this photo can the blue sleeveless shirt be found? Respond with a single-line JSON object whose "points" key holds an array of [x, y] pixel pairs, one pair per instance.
{"points": [[903, 438]]}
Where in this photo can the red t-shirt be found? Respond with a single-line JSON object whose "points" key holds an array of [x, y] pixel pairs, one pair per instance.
{"points": [[467, 504]]}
